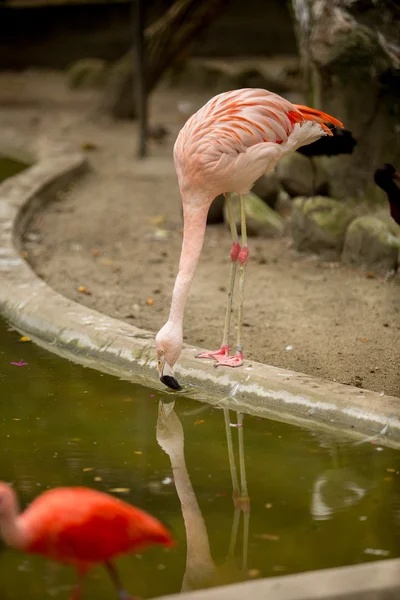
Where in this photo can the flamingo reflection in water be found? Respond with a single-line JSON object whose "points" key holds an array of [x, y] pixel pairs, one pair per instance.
{"points": [[201, 570]]}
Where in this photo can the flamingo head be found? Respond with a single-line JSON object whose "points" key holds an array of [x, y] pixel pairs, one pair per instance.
{"points": [[169, 346], [8, 501]]}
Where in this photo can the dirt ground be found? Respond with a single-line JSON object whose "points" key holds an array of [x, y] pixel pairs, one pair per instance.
{"points": [[118, 233]]}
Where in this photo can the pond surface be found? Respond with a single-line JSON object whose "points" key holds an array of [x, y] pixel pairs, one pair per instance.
{"points": [[9, 167], [303, 500]]}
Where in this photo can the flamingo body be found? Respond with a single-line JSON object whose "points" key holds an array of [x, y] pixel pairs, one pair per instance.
{"points": [[225, 147], [78, 526], [237, 136]]}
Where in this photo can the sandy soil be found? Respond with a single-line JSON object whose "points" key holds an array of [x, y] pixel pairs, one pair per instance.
{"points": [[118, 233]]}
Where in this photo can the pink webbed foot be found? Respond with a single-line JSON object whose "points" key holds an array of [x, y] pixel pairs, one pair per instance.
{"points": [[216, 355], [231, 361]]}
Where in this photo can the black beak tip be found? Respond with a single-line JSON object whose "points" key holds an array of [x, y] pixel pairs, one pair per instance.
{"points": [[170, 382]]}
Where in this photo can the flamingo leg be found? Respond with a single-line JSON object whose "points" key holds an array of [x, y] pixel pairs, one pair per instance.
{"points": [[76, 594], [237, 359], [122, 594], [245, 500], [235, 484], [224, 350]]}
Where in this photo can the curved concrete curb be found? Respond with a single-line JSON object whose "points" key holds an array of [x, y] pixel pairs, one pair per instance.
{"points": [[379, 580], [86, 336]]}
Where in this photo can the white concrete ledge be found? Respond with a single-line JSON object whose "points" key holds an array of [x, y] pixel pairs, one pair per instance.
{"points": [[378, 580], [98, 341]]}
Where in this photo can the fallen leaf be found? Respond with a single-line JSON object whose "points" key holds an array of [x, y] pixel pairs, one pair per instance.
{"points": [[391, 470], [268, 505], [87, 469], [150, 301], [388, 479], [83, 290], [370, 275], [254, 572], [120, 490], [137, 452], [24, 338], [98, 479], [161, 233], [158, 220], [89, 146], [95, 251], [199, 421], [267, 536], [16, 419], [364, 340], [106, 262]]}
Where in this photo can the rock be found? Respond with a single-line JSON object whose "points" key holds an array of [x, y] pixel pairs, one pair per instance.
{"points": [[260, 218], [279, 74], [267, 188], [371, 243], [87, 73], [319, 225], [351, 55], [284, 204], [295, 174]]}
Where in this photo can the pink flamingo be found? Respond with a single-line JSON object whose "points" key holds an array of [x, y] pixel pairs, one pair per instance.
{"points": [[230, 142]]}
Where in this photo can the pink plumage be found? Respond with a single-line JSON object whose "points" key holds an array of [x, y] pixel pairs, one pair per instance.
{"points": [[225, 147]]}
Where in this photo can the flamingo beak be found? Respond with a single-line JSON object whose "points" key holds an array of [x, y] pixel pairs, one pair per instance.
{"points": [[167, 375]]}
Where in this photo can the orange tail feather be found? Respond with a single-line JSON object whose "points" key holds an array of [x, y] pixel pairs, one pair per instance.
{"points": [[312, 114]]}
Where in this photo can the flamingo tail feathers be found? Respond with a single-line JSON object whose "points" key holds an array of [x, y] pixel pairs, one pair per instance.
{"points": [[312, 114]]}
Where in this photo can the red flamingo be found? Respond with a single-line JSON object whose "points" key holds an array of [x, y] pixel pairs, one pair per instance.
{"points": [[224, 147], [80, 527]]}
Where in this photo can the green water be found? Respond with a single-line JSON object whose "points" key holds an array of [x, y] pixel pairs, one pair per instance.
{"points": [[9, 167], [314, 501]]}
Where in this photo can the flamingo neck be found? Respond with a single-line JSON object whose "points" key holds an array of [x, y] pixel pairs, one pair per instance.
{"points": [[195, 219], [11, 529]]}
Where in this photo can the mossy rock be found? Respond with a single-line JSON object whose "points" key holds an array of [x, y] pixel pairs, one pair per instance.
{"points": [[87, 73], [261, 220], [319, 225], [267, 188], [295, 174], [372, 244]]}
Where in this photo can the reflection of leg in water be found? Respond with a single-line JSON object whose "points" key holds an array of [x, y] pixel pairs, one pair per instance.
{"points": [[240, 495], [122, 594]]}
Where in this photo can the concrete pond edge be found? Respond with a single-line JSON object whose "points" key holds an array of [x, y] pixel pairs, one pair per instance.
{"points": [[107, 344], [378, 580]]}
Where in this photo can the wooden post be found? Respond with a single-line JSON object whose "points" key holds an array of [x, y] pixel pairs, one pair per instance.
{"points": [[139, 91]]}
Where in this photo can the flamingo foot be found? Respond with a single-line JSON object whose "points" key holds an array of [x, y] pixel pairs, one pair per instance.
{"points": [[231, 361], [216, 355]]}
